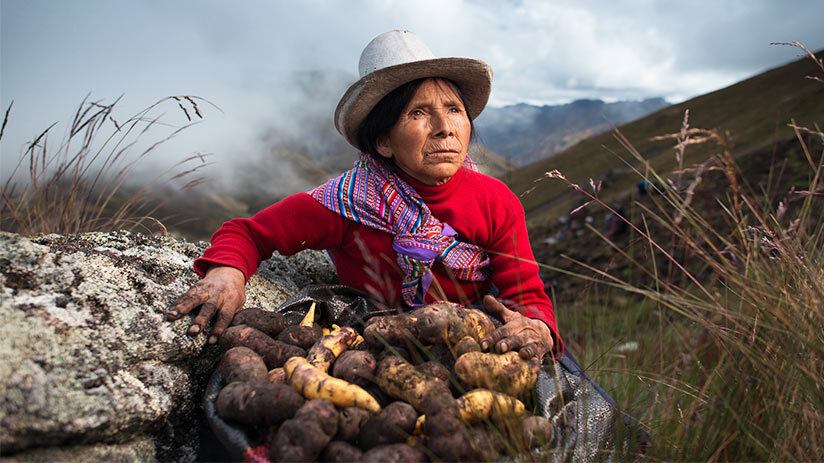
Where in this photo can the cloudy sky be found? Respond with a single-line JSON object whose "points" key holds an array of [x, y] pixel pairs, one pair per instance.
{"points": [[245, 55]]}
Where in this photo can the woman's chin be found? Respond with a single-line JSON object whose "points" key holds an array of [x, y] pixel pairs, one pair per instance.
{"points": [[442, 174]]}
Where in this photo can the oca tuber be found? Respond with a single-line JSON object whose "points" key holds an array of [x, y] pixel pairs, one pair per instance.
{"points": [[313, 383], [277, 376], [330, 346]]}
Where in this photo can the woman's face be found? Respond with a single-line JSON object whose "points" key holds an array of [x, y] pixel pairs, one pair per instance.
{"points": [[430, 139]]}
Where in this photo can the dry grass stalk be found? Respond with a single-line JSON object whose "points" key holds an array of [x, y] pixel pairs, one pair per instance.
{"points": [[81, 185]]}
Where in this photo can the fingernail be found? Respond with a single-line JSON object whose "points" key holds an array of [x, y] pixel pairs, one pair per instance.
{"points": [[485, 345], [503, 347], [212, 339], [194, 329], [174, 313]]}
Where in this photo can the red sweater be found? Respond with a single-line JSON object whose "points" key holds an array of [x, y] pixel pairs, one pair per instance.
{"points": [[480, 208]]}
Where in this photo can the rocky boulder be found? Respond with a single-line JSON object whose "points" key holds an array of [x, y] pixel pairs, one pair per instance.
{"points": [[91, 368]]}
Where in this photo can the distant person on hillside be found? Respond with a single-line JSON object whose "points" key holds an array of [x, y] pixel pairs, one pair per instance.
{"points": [[414, 209], [643, 187], [614, 225]]}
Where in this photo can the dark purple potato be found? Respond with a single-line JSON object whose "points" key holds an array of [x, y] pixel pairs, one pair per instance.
{"points": [[356, 366]]}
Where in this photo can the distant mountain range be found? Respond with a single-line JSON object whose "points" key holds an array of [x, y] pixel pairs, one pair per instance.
{"points": [[300, 148], [754, 115], [524, 133]]}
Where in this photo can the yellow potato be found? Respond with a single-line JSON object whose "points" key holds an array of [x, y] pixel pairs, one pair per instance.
{"points": [[507, 373], [479, 404]]}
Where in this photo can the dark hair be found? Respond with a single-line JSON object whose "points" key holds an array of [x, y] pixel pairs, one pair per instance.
{"points": [[379, 122]]}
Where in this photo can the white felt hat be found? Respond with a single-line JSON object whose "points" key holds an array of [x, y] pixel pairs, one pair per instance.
{"points": [[398, 57]]}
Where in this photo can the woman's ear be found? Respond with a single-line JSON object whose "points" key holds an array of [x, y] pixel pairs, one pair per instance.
{"points": [[382, 145]]}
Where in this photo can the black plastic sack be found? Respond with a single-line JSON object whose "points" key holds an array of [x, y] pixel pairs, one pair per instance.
{"points": [[236, 443], [335, 304], [588, 425]]}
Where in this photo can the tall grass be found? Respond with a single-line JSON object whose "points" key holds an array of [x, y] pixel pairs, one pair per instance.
{"points": [[87, 182], [735, 295]]}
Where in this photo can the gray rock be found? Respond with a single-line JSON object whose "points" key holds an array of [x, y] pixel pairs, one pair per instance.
{"points": [[140, 448], [88, 355]]}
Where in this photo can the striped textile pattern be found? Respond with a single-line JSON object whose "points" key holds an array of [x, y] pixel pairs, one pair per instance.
{"points": [[376, 197]]}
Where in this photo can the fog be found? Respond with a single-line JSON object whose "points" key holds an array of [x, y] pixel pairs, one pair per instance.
{"points": [[277, 69]]}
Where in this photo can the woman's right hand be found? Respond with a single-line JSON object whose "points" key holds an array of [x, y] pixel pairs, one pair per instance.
{"points": [[222, 291]]}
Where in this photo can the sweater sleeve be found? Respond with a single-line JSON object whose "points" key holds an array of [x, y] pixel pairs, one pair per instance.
{"points": [[515, 271], [291, 225]]}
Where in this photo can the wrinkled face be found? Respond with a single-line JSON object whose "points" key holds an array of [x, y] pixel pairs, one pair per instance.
{"points": [[430, 139]]}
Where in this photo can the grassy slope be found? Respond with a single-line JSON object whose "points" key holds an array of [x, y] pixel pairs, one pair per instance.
{"points": [[755, 112], [656, 379]]}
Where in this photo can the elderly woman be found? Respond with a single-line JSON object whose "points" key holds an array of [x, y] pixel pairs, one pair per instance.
{"points": [[413, 222]]}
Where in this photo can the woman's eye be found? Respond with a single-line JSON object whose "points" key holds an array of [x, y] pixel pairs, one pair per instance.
{"points": [[416, 113]]}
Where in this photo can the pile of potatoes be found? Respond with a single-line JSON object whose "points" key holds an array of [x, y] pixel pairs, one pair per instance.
{"points": [[411, 387]]}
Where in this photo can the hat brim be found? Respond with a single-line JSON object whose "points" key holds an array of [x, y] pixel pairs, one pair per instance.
{"points": [[472, 76]]}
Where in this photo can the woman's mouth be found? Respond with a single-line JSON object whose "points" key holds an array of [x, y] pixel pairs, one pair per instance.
{"points": [[444, 152]]}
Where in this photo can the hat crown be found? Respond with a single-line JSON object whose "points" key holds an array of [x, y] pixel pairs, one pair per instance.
{"points": [[391, 49]]}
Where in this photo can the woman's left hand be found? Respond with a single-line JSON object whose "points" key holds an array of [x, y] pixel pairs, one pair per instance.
{"points": [[531, 337]]}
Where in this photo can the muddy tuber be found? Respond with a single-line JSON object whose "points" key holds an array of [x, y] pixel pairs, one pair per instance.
{"points": [[350, 423], [340, 452], [271, 323], [465, 345], [303, 437], [442, 322], [394, 425], [274, 353], [301, 336], [401, 380], [258, 403], [537, 431], [356, 367], [394, 453], [242, 364]]}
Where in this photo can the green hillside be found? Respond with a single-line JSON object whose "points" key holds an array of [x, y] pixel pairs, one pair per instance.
{"points": [[755, 112], [700, 312]]}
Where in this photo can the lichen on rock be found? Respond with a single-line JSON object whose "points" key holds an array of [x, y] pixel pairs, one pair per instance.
{"points": [[89, 356]]}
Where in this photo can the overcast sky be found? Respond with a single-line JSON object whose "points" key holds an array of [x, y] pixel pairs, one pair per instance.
{"points": [[243, 55]]}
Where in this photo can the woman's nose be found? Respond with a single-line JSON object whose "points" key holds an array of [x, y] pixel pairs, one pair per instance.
{"points": [[440, 125]]}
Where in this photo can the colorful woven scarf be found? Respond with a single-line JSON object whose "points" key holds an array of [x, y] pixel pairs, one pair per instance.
{"points": [[374, 196]]}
